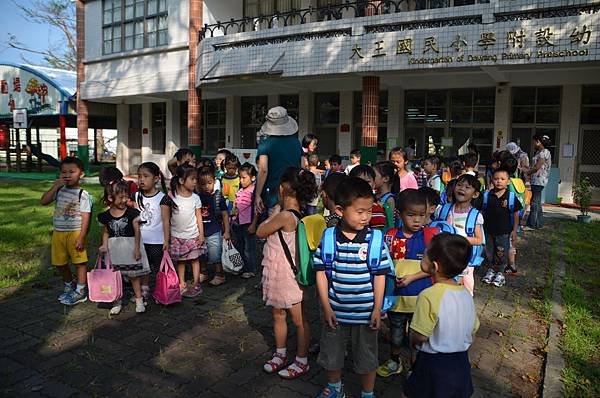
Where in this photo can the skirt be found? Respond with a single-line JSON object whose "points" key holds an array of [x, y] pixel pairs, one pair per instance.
{"points": [[440, 375], [121, 250], [185, 249]]}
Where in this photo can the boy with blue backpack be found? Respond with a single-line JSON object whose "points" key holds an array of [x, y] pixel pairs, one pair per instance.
{"points": [[351, 264], [501, 215]]}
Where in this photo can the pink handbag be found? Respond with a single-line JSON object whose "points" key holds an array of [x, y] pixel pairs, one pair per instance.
{"points": [[167, 290], [104, 283]]}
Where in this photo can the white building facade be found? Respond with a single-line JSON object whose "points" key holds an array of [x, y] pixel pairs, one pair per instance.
{"points": [[448, 72]]}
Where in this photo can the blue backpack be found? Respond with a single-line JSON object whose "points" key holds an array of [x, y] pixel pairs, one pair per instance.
{"points": [[328, 252], [511, 204], [470, 224]]}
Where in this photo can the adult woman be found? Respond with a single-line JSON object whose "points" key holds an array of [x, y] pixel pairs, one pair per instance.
{"points": [[309, 145], [539, 178]]}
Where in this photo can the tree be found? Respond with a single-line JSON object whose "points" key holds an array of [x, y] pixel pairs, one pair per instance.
{"points": [[59, 14]]}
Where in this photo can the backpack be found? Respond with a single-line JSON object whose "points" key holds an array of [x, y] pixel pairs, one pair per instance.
{"points": [[309, 228], [328, 246], [470, 225], [390, 219], [511, 204]]}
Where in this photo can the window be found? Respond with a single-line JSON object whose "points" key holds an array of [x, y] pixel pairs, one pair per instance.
{"points": [[590, 105], [382, 128], [254, 111], [212, 122], [133, 24], [259, 8], [327, 118], [292, 104], [159, 127], [535, 110]]}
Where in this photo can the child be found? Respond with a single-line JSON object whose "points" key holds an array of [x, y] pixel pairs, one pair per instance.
{"points": [[309, 146], [215, 218], [443, 324], [244, 226], [219, 158], [384, 176], [181, 157], [230, 181], [466, 190], [154, 217], [330, 186], [71, 221], [364, 172], [407, 247], [187, 228], [455, 169], [431, 165], [351, 310], [280, 289], [335, 163], [433, 201], [121, 240], [354, 160], [313, 162], [404, 179], [470, 163], [501, 217]]}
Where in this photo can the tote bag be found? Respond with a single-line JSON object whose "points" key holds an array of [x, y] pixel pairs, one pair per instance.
{"points": [[104, 282], [167, 289], [231, 259]]}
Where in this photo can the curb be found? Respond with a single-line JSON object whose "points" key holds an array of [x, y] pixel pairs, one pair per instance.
{"points": [[555, 362]]}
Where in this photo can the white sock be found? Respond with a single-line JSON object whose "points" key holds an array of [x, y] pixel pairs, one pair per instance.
{"points": [[302, 360], [139, 300], [282, 351], [80, 288], [145, 288]]}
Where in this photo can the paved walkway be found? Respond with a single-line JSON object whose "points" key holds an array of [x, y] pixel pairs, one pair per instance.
{"points": [[215, 346]]}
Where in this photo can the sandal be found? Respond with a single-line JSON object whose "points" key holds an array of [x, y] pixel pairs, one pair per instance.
{"points": [[290, 372], [276, 363]]}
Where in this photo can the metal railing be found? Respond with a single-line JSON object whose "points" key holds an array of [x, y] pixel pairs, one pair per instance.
{"points": [[348, 9]]}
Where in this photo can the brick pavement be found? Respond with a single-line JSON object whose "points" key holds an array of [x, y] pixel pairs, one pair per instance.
{"points": [[214, 346]]}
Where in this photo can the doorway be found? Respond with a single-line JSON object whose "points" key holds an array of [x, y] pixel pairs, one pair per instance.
{"points": [[589, 155]]}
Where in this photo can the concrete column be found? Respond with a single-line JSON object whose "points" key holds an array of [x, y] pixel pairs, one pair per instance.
{"points": [[272, 100], [172, 141], [395, 122], [370, 118], [570, 116], [502, 116], [194, 96], [306, 109], [344, 138], [147, 137], [123, 139], [82, 106], [233, 121]]}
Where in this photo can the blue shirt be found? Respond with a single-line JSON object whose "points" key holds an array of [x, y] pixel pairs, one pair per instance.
{"points": [[212, 206], [350, 288], [282, 152]]}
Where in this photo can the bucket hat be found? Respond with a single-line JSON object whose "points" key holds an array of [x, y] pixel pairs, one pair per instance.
{"points": [[278, 123]]}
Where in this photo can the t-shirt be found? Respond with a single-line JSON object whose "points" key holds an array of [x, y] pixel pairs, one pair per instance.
{"points": [[408, 181], [70, 203], [446, 314], [244, 204], [497, 214], [350, 289], [151, 224], [540, 177], [230, 187], [119, 226], [282, 152], [407, 254], [315, 201], [435, 182], [458, 219], [350, 167], [212, 206], [378, 219], [184, 224]]}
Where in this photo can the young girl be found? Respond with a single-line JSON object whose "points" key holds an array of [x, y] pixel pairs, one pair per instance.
{"points": [[466, 190], [219, 166], [154, 217], [280, 289], [187, 229], [121, 239], [244, 226], [404, 179], [309, 145], [384, 175]]}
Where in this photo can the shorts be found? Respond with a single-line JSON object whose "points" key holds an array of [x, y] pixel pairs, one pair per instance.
{"points": [[214, 245], [399, 322], [440, 375], [154, 252], [364, 348], [185, 249], [63, 249]]}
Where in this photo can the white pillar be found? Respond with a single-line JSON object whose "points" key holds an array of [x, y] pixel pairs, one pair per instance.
{"points": [[395, 121], [123, 139], [345, 139], [305, 113], [501, 116], [233, 121], [570, 116]]}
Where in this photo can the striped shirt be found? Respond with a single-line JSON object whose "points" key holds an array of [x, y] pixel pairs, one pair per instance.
{"points": [[70, 203], [350, 289]]}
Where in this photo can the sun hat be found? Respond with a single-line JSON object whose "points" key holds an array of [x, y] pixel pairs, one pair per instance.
{"points": [[278, 123], [512, 147]]}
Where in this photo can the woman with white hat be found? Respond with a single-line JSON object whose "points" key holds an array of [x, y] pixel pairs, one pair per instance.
{"points": [[276, 152]]}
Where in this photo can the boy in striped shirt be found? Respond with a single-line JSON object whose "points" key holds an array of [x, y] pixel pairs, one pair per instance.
{"points": [[352, 296]]}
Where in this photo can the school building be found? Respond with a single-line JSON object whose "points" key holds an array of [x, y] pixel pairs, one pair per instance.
{"points": [[368, 74]]}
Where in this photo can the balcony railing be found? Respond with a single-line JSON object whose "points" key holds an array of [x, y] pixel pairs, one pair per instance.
{"points": [[348, 9]]}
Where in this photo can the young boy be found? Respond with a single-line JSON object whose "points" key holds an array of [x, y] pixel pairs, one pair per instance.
{"points": [[330, 186], [431, 165], [182, 156], [230, 181], [367, 173], [351, 310], [312, 164], [433, 200], [71, 221], [470, 163], [443, 324], [407, 247], [335, 163], [501, 217], [354, 160]]}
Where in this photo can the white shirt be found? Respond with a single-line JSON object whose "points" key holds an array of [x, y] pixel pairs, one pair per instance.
{"points": [[350, 167], [184, 224], [540, 177], [151, 224]]}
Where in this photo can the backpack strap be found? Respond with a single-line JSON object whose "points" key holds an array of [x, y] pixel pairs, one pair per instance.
{"points": [[296, 213], [386, 196], [471, 222], [486, 196], [287, 252], [511, 201], [374, 250], [444, 212], [328, 250]]}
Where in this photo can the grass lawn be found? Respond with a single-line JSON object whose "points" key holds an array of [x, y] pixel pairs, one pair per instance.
{"points": [[581, 339], [25, 231]]}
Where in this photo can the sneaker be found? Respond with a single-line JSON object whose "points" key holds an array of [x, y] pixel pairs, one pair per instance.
{"points": [[499, 280], [140, 307], [527, 228], [75, 298], [217, 280], [203, 278], [248, 275], [191, 292], [116, 309], [331, 393], [389, 368], [489, 275], [66, 291], [144, 297]]}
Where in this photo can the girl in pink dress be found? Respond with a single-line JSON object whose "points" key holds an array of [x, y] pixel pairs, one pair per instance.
{"points": [[280, 289], [404, 178]]}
